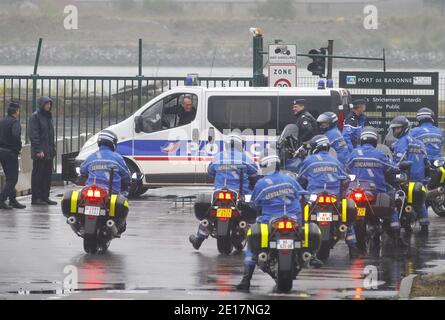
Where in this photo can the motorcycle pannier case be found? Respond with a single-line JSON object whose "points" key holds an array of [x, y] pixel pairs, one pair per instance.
{"points": [[202, 205], [437, 178], [70, 202], [258, 237], [118, 207]]}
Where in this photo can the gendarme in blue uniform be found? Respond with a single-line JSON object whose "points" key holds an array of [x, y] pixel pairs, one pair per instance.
{"points": [[275, 194], [431, 137], [352, 128], [226, 169], [319, 170], [407, 148], [97, 168], [370, 164], [338, 143]]}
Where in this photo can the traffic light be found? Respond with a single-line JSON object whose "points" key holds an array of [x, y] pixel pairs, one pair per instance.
{"points": [[318, 65]]}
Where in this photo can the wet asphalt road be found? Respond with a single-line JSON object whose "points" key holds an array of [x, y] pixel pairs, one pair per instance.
{"points": [[154, 260]]}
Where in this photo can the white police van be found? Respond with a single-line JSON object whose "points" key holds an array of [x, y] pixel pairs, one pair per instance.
{"points": [[154, 144]]}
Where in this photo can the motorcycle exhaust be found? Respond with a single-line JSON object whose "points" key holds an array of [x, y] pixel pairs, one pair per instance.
{"points": [[262, 257], [71, 220], [243, 224], [435, 192], [306, 256], [343, 228], [205, 223], [112, 226], [409, 209]]}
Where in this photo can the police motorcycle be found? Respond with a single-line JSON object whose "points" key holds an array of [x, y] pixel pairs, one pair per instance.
{"points": [[96, 214], [227, 219], [284, 247], [373, 213], [332, 215], [435, 197], [409, 199]]}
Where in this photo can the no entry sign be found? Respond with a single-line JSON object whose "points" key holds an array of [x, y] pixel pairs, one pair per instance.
{"points": [[282, 75]]}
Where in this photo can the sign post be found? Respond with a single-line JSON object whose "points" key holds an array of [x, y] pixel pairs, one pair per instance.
{"points": [[282, 65]]}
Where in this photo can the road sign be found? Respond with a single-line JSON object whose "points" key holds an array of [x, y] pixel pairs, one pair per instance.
{"points": [[394, 105], [282, 75], [389, 80], [282, 54]]}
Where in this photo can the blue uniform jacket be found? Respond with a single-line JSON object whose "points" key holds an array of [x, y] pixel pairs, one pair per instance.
{"points": [[370, 164], [320, 170], [225, 168], [431, 137], [275, 194], [338, 143], [97, 168], [407, 148], [352, 129]]}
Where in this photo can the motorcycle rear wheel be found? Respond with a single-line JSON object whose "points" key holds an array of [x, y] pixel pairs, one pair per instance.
{"points": [[90, 244], [284, 281], [224, 244], [325, 250]]}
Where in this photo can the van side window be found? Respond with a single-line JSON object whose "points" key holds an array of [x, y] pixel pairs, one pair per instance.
{"points": [[179, 110], [173, 111], [230, 112]]}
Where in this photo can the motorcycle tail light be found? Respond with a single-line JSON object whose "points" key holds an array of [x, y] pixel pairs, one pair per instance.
{"points": [[326, 199], [285, 225], [224, 196], [359, 196], [94, 194]]}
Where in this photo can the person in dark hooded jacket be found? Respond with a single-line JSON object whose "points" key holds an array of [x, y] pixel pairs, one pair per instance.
{"points": [[43, 151]]}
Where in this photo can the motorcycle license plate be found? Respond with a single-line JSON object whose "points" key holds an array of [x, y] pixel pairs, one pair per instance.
{"points": [[285, 244], [361, 212], [324, 216], [92, 211], [224, 213]]}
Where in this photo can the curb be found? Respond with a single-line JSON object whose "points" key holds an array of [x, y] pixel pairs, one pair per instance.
{"points": [[405, 286]]}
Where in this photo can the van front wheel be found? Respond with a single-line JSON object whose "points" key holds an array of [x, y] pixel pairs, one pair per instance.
{"points": [[136, 188]]}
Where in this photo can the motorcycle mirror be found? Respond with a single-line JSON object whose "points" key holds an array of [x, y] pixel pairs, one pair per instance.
{"points": [[313, 197], [352, 177]]}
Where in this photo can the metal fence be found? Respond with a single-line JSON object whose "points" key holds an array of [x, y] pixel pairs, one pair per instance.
{"points": [[85, 105]]}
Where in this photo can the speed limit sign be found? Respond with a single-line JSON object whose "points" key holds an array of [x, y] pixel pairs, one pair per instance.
{"points": [[282, 75]]}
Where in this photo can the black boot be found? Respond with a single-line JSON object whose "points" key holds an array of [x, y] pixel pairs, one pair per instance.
{"points": [[244, 285], [196, 241], [424, 230], [4, 206], [15, 204], [315, 262], [399, 242]]}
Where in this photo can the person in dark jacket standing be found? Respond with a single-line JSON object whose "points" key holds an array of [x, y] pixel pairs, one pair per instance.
{"points": [[43, 150], [307, 125], [10, 147]]}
